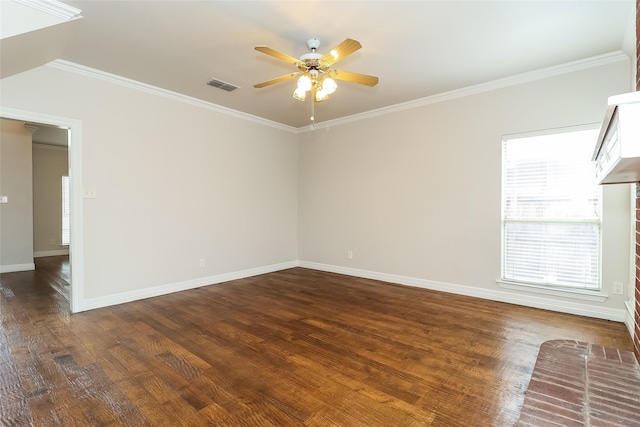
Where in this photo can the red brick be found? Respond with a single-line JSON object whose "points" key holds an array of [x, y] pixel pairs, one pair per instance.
{"points": [[608, 378], [536, 417], [627, 357], [620, 389], [565, 377], [571, 395], [636, 337], [605, 406], [548, 399], [598, 351], [617, 387], [612, 353], [560, 410], [608, 419]]}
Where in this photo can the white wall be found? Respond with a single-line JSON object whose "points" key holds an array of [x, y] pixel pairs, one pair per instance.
{"points": [[50, 163], [629, 47], [416, 194], [175, 183], [16, 216]]}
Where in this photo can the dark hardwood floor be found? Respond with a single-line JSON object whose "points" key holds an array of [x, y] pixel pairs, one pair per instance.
{"points": [[293, 348], [55, 272]]}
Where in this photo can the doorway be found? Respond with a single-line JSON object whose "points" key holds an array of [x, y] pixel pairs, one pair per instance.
{"points": [[51, 221], [74, 144]]}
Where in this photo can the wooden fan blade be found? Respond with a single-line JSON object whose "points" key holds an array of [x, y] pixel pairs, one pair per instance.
{"points": [[341, 51], [277, 54], [276, 80], [361, 79]]}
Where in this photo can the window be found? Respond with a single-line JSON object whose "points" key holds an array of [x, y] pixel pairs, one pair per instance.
{"points": [[551, 210], [65, 210]]}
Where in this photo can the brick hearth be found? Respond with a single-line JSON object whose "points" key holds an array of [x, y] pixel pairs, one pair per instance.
{"points": [[576, 383]]}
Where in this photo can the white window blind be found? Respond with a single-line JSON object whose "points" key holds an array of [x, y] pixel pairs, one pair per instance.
{"points": [[65, 210], [551, 211]]}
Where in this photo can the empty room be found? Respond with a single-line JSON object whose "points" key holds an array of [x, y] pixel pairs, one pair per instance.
{"points": [[319, 213]]}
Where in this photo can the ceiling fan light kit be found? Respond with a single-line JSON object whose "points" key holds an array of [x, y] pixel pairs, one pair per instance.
{"points": [[304, 83], [315, 74]]}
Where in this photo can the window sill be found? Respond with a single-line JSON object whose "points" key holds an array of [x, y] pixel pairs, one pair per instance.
{"points": [[581, 294]]}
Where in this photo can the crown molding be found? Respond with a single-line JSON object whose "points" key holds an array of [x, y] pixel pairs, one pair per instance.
{"points": [[93, 73], [544, 73], [570, 67], [30, 128], [52, 7]]}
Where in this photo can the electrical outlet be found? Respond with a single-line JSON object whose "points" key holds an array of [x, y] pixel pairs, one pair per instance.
{"points": [[350, 254], [53, 241], [617, 288], [201, 262]]}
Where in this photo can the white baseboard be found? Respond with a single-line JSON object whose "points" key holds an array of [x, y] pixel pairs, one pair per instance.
{"points": [[528, 300], [17, 267], [42, 254], [90, 304], [630, 320], [618, 315]]}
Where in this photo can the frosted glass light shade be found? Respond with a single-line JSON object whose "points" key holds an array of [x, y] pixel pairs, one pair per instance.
{"points": [[329, 86], [299, 94], [321, 95], [304, 83]]}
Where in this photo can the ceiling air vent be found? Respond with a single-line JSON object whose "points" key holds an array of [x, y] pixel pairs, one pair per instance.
{"points": [[222, 85]]}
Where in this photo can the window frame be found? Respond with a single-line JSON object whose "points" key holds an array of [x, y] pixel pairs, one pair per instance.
{"points": [[584, 292]]}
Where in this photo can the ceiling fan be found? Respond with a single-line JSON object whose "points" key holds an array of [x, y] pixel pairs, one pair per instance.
{"points": [[315, 74]]}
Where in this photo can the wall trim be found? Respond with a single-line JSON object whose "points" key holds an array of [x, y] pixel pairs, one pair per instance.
{"points": [[93, 73], [58, 252], [544, 73], [629, 319], [124, 297], [569, 67], [17, 267], [53, 8], [582, 294], [570, 307]]}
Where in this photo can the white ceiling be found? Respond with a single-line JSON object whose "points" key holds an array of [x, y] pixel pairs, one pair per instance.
{"points": [[416, 48], [49, 135]]}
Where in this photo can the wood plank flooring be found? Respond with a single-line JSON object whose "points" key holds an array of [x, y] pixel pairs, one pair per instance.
{"points": [[292, 348]]}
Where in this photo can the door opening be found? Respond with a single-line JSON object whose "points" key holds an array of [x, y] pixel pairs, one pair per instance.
{"points": [[73, 129]]}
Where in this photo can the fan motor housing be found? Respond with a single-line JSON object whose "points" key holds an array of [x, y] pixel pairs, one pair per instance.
{"points": [[313, 44]]}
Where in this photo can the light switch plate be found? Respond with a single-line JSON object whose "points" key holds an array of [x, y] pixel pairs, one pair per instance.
{"points": [[4, 199], [89, 193]]}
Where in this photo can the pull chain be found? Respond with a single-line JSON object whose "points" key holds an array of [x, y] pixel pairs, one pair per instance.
{"points": [[313, 103]]}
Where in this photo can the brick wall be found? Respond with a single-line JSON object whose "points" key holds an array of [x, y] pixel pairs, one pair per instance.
{"points": [[636, 334], [638, 44]]}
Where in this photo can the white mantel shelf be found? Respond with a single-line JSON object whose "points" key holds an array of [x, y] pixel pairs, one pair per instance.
{"points": [[617, 152]]}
